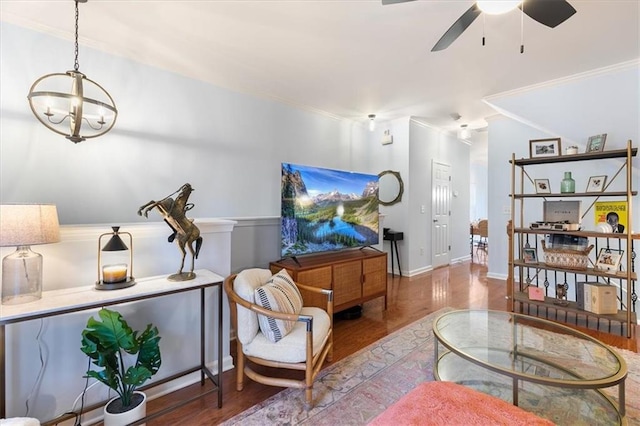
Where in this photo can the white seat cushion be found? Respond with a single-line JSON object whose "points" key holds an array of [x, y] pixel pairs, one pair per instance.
{"points": [[292, 347], [245, 285]]}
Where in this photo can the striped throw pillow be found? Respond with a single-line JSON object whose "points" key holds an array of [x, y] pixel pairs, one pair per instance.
{"points": [[279, 294]]}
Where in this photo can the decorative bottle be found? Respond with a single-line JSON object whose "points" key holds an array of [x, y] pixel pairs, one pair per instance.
{"points": [[568, 185]]}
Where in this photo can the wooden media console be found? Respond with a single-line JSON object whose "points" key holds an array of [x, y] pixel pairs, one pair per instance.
{"points": [[355, 276]]}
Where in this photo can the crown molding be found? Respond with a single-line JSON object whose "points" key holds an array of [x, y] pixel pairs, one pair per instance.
{"points": [[623, 66]]}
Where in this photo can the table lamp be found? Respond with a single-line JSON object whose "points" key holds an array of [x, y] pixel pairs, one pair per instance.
{"points": [[24, 225]]}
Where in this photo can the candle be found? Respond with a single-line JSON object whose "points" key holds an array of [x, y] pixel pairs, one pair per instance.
{"points": [[114, 273]]}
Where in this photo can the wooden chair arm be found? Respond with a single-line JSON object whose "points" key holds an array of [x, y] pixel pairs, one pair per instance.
{"points": [[318, 290]]}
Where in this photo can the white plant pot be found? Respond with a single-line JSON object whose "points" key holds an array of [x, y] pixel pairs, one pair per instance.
{"points": [[123, 419]]}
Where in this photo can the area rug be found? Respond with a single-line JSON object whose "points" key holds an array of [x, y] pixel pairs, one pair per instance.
{"points": [[354, 390]]}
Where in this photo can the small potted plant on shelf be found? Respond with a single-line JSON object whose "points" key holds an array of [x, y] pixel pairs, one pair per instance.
{"points": [[108, 342]]}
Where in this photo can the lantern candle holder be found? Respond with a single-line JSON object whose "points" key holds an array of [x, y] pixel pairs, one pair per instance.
{"points": [[114, 276]]}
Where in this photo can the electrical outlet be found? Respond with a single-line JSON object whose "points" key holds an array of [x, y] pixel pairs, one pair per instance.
{"points": [[421, 251], [506, 209], [422, 209]]}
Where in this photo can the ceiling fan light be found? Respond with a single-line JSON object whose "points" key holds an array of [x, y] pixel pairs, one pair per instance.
{"points": [[497, 7]]}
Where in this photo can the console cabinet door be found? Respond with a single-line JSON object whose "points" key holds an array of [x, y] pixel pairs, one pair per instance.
{"points": [[347, 284], [317, 277], [375, 276]]}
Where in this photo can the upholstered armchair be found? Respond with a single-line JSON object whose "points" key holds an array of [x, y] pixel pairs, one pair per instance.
{"points": [[274, 329]]}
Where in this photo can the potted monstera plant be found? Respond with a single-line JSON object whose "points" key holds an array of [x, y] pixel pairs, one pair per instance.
{"points": [[128, 359]]}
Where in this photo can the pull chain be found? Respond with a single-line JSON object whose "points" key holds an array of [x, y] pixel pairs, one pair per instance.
{"points": [[76, 65], [483, 22], [522, 28]]}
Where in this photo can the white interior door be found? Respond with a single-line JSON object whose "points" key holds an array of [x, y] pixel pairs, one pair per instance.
{"points": [[441, 212]]}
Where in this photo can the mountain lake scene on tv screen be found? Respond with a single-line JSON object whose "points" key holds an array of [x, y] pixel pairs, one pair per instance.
{"points": [[325, 210]]}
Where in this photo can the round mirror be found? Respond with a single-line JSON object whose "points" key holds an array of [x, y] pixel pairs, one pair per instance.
{"points": [[390, 188]]}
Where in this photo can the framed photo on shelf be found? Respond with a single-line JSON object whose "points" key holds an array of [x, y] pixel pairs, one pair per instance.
{"points": [[609, 259], [596, 143], [542, 186], [596, 183], [544, 148], [529, 255]]}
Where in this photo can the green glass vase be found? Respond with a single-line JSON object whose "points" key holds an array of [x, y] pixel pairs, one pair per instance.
{"points": [[568, 185]]}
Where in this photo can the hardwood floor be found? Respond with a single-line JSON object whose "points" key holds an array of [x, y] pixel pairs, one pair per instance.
{"points": [[463, 285]]}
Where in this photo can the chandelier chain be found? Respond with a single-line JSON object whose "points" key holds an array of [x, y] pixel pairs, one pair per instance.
{"points": [[76, 65]]}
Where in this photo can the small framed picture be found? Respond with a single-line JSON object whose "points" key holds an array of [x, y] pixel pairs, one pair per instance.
{"points": [[536, 293], [542, 186], [609, 259], [544, 148], [596, 183], [596, 143], [529, 255]]}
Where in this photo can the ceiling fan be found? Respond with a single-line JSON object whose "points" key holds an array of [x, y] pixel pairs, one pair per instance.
{"points": [[548, 12]]}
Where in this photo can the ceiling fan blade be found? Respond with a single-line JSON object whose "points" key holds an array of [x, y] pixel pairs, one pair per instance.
{"points": [[385, 2], [457, 28], [548, 12]]}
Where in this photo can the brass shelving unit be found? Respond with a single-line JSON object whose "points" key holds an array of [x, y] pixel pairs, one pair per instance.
{"points": [[523, 274]]}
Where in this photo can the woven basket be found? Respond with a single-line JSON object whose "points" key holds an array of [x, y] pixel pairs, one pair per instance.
{"points": [[568, 259]]}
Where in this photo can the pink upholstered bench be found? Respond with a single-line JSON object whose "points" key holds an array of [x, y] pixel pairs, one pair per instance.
{"points": [[447, 403]]}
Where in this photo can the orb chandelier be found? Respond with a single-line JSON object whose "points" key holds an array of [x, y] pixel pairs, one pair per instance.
{"points": [[72, 105]]}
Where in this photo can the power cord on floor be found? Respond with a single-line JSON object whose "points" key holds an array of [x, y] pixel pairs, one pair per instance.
{"points": [[42, 353], [86, 388], [43, 356], [78, 415]]}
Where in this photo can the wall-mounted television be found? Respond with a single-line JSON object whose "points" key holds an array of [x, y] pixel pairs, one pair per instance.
{"points": [[327, 210]]}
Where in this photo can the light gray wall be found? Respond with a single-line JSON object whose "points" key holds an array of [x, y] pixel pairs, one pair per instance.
{"points": [[426, 145], [395, 157], [170, 130], [173, 130], [479, 187]]}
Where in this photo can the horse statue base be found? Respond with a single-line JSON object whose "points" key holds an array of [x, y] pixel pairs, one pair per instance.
{"points": [[182, 276]]}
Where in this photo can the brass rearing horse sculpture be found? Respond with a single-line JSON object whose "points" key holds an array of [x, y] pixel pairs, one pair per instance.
{"points": [[173, 212]]}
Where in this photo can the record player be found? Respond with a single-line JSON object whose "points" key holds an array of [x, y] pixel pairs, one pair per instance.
{"points": [[556, 226], [560, 216]]}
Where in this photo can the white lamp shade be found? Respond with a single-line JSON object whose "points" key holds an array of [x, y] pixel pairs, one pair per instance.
{"points": [[28, 224]]}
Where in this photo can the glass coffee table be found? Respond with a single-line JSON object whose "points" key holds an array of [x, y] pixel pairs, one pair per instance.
{"points": [[543, 367]]}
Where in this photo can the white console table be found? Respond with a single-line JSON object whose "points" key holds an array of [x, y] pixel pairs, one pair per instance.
{"points": [[59, 302]]}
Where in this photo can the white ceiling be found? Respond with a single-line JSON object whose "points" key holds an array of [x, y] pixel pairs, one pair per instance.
{"points": [[347, 58]]}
